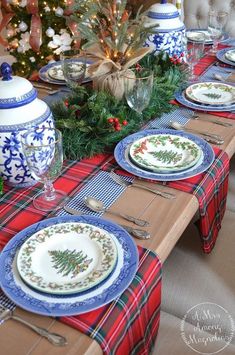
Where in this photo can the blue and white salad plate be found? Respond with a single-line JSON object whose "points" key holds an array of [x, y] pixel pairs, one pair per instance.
{"points": [[181, 98], [121, 154], [221, 55], [60, 305], [44, 73]]}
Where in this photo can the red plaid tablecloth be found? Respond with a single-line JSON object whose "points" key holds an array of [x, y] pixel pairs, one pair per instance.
{"points": [[128, 325], [211, 190]]}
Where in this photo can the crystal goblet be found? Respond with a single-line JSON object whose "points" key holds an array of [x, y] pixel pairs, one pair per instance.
{"points": [[138, 85], [216, 23], [43, 152], [74, 66], [194, 51]]}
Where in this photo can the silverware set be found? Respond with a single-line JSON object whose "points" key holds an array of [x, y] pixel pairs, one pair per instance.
{"points": [[209, 137], [136, 232], [195, 116], [7, 313], [120, 181]]}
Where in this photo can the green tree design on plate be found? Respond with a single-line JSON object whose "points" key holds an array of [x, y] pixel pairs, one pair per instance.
{"points": [[212, 95], [67, 261], [167, 156]]}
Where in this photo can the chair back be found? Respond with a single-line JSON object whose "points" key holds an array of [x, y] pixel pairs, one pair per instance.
{"points": [[196, 13]]}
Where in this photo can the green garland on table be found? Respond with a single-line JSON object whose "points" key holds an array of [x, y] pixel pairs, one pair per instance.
{"points": [[93, 122]]}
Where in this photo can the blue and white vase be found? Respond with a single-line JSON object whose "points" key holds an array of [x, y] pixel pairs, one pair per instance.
{"points": [[20, 110], [170, 30]]}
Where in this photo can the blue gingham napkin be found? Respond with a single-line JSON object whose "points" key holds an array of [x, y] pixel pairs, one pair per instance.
{"points": [[181, 115], [5, 302], [224, 72], [101, 187]]}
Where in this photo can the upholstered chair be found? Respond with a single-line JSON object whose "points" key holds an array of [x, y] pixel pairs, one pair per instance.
{"points": [[196, 13]]}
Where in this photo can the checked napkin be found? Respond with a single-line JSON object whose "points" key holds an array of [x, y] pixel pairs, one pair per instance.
{"points": [[211, 190]]}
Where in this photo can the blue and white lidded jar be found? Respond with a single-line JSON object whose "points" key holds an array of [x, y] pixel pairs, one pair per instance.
{"points": [[170, 30], [20, 109]]}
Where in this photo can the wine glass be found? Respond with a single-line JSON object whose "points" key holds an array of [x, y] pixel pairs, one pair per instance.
{"points": [[138, 85], [216, 23], [43, 152], [74, 66], [194, 51]]}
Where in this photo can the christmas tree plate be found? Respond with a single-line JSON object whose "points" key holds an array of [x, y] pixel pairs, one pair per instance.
{"points": [[121, 154], [211, 93], [77, 303], [67, 258], [52, 73], [181, 97], [164, 153]]}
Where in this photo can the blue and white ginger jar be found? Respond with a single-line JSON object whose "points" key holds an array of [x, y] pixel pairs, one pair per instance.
{"points": [[170, 29], [20, 110]]}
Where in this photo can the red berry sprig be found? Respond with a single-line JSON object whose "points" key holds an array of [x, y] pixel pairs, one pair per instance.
{"points": [[177, 59], [115, 122]]}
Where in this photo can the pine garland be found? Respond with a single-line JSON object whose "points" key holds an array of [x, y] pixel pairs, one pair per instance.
{"points": [[93, 122]]}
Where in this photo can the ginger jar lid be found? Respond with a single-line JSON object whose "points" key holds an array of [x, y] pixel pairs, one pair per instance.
{"points": [[165, 16], [14, 90]]}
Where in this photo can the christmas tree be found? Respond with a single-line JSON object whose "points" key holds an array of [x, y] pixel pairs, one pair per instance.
{"points": [[37, 32]]}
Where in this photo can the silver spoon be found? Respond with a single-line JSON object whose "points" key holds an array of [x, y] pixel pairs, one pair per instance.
{"points": [[136, 232], [53, 338], [217, 139], [220, 77], [98, 206]]}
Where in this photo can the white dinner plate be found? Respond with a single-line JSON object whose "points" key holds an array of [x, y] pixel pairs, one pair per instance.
{"points": [[164, 153], [67, 258], [211, 93]]}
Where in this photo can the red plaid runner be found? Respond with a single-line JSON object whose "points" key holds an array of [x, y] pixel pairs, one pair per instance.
{"points": [[128, 325], [211, 190], [200, 68]]}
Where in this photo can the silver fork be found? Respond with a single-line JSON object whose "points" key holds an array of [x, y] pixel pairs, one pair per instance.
{"points": [[55, 339], [119, 180], [195, 116]]}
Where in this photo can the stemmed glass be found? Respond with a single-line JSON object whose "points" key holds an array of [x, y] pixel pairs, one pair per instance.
{"points": [[43, 152], [74, 66], [138, 85], [216, 23], [194, 51]]}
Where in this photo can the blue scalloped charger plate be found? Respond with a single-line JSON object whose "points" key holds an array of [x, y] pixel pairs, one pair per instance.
{"points": [[44, 73], [180, 97], [121, 154], [221, 56], [59, 305]]}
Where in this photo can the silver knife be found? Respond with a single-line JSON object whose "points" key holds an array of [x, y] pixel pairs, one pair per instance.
{"points": [[136, 232]]}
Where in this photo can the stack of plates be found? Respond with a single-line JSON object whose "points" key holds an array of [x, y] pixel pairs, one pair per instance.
{"points": [[210, 96], [227, 56], [52, 73], [164, 154], [68, 265], [193, 35]]}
